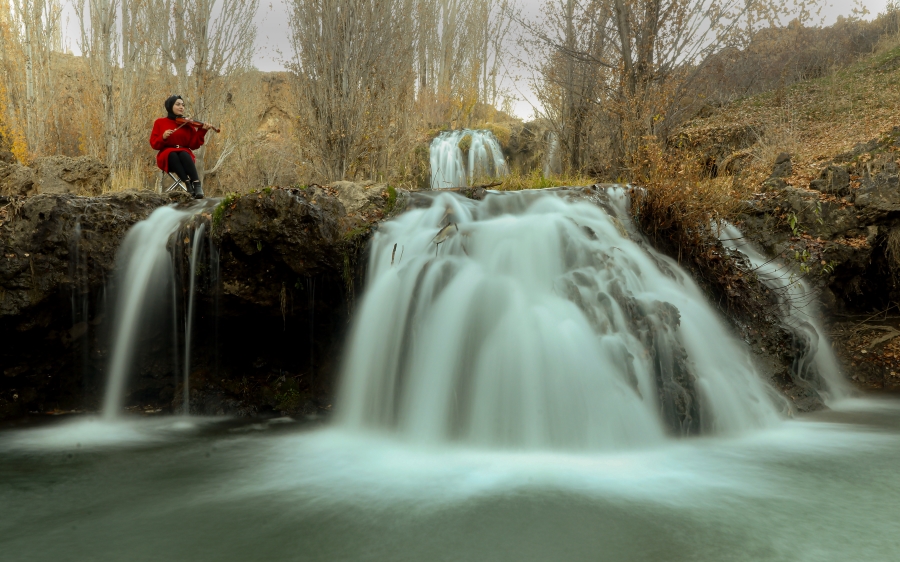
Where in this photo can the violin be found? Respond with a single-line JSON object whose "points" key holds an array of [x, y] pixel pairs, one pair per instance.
{"points": [[182, 121]]}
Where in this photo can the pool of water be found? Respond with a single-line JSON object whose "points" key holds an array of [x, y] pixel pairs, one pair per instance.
{"points": [[824, 487]]}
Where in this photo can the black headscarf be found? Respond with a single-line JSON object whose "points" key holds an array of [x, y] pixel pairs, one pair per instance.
{"points": [[170, 103]]}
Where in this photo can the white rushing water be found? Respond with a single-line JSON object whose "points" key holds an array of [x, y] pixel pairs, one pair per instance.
{"points": [[815, 364], [527, 321], [451, 168], [189, 324], [145, 277]]}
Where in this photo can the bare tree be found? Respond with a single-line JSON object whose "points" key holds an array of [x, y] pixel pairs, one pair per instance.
{"points": [[39, 33], [355, 82], [645, 54], [569, 83], [208, 43]]}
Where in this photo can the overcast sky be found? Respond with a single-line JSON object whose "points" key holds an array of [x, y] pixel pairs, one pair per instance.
{"points": [[273, 46]]}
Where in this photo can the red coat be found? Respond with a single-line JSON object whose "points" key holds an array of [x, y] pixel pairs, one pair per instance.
{"points": [[183, 140]]}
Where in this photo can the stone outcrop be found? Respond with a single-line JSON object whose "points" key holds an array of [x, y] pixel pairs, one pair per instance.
{"points": [[842, 233], [83, 175], [40, 279], [275, 284], [16, 179]]}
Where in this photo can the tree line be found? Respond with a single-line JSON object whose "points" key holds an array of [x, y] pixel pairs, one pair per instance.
{"points": [[370, 81]]}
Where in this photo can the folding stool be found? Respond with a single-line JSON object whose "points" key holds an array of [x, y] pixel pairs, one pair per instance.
{"points": [[176, 183]]}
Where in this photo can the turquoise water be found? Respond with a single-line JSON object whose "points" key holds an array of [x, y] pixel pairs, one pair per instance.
{"points": [[825, 487]]}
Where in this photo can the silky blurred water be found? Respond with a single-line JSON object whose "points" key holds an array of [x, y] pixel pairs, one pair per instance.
{"points": [[820, 488]]}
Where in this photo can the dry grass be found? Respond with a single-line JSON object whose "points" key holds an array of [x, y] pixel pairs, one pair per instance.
{"points": [[517, 181], [892, 250], [679, 210], [130, 176], [818, 119]]}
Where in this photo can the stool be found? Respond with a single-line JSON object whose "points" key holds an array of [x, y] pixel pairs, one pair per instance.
{"points": [[176, 183]]}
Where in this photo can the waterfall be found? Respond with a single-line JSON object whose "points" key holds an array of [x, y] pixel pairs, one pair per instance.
{"points": [[528, 321], [450, 167], [80, 301], [146, 280], [815, 365], [189, 326]]}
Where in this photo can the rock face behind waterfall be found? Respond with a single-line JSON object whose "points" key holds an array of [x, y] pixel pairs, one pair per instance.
{"points": [[266, 238], [37, 243], [273, 297], [274, 294]]}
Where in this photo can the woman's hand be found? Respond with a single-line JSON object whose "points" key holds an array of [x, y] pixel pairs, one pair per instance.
{"points": [[206, 126], [168, 134]]}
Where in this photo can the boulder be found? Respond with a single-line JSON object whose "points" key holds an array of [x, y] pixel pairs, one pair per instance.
{"points": [[783, 167], [880, 187], [16, 179], [834, 180], [819, 218], [84, 175], [355, 196], [277, 237]]}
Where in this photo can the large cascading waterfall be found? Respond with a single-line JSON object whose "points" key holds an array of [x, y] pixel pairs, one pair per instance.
{"points": [[452, 167], [528, 321], [815, 365], [146, 279]]}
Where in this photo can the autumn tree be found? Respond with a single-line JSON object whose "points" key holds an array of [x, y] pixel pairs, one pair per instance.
{"points": [[208, 45], [353, 66], [33, 31]]}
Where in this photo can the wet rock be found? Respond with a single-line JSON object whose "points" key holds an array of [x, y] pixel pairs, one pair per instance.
{"points": [[38, 236], [276, 238], [39, 284]]}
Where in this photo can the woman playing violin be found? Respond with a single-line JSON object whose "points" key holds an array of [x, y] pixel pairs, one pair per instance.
{"points": [[175, 137]]}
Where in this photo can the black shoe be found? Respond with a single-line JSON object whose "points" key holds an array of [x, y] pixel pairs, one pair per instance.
{"points": [[197, 190]]}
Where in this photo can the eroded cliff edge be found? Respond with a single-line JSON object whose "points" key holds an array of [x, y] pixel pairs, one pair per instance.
{"points": [[274, 291]]}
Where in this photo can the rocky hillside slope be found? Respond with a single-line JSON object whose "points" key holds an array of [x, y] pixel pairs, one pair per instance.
{"points": [[824, 159]]}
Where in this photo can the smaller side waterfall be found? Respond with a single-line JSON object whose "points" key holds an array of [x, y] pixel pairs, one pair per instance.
{"points": [[146, 279], [460, 157], [815, 364]]}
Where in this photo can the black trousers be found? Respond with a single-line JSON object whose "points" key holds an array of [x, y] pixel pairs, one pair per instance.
{"points": [[182, 165]]}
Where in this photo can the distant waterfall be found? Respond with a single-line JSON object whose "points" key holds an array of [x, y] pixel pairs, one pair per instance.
{"points": [[552, 164], [451, 167], [815, 364], [529, 321]]}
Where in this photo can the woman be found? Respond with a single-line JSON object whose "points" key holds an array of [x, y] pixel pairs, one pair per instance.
{"points": [[175, 142]]}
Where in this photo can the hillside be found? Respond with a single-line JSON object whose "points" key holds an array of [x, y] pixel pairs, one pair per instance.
{"points": [[813, 121]]}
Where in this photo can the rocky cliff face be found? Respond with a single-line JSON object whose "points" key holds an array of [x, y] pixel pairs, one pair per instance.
{"points": [[55, 250], [274, 288], [842, 232]]}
